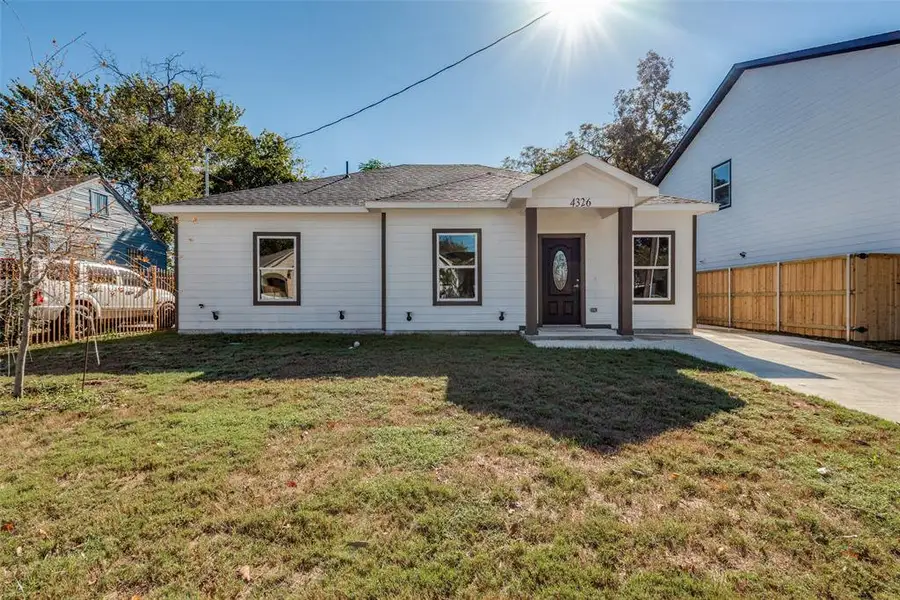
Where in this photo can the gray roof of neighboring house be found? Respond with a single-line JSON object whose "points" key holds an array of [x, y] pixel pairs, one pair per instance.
{"points": [[38, 187], [280, 259], [403, 183], [866, 43]]}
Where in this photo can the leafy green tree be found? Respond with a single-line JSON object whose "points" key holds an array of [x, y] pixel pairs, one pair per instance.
{"points": [[647, 124], [264, 160], [73, 110], [372, 164], [147, 131]]}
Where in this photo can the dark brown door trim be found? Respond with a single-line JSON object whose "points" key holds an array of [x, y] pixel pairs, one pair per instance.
{"points": [[540, 274]]}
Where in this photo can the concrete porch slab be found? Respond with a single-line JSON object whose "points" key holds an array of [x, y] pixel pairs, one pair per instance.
{"points": [[562, 333]]}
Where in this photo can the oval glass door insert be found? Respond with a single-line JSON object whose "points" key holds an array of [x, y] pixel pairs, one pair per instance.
{"points": [[560, 270]]}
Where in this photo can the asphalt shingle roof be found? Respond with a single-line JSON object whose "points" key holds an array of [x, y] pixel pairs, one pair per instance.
{"points": [[403, 183], [38, 187], [657, 200]]}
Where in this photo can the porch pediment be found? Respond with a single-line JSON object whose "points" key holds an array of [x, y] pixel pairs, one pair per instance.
{"points": [[584, 180]]}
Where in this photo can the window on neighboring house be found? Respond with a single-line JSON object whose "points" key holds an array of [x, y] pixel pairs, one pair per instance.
{"points": [[457, 266], [99, 205], [721, 184], [276, 266], [654, 257]]}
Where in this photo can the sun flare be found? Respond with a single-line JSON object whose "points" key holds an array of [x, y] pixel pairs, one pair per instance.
{"points": [[575, 16]]}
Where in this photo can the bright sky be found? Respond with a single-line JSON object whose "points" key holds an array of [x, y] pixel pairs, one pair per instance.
{"points": [[296, 65]]}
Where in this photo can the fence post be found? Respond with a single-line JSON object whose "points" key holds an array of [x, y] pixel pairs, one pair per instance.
{"points": [[847, 300], [778, 296], [72, 277], [153, 288], [729, 296]]}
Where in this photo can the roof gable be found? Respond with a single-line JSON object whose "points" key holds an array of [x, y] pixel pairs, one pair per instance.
{"points": [[585, 169], [866, 43]]}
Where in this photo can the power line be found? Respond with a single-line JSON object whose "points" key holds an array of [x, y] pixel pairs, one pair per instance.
{"points": [[421, 81]]}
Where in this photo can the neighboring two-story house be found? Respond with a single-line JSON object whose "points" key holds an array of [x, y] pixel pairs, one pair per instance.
{"points": [[802, 153], [106, 227]]}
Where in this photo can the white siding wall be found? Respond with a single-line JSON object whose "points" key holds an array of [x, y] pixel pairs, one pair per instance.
{"points": [[340, 262], [601, 257], [340, 269], [815, 151], [681, 314], [410, 270]]}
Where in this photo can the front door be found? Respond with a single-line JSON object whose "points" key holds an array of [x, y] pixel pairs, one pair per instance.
{"points": [[561, 281]]}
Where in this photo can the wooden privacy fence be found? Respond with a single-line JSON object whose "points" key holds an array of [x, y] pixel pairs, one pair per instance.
{"points": [[853, 297], [78, 298]]}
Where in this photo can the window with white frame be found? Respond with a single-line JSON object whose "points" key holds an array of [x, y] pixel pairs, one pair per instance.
{"points": [[654, 259], [457, 266], [99, 204], [276, 268], [721, 184]]}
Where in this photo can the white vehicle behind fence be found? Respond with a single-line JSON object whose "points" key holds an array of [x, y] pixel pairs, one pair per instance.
{"points": [[106, 296]]}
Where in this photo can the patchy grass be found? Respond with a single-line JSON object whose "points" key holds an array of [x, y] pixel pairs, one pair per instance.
{"points": [[424, 467]]}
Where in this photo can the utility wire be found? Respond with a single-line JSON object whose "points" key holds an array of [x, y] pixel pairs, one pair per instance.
{"points": [[421, 81]]}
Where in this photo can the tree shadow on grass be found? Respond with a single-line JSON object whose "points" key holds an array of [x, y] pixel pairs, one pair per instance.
{"points": [[598, 399]]}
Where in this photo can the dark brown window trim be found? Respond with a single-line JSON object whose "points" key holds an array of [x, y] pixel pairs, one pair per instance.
{"points": [[434, 269], [256, 300], [671, 298], [712, 187]]}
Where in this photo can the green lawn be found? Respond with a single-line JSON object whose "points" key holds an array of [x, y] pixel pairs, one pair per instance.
{"points": [[427, 467]]}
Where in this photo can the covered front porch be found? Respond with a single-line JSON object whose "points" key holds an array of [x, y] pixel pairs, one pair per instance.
{"points": [[579, 226]]}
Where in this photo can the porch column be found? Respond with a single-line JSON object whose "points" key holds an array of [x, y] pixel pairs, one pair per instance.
{"points": [[626, 276], [531, 272]]}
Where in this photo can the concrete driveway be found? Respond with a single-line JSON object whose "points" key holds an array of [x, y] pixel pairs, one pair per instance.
{"points": [[858, 378]]}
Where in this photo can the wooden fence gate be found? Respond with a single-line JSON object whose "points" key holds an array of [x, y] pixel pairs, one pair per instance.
{"points": [[853, 297]]}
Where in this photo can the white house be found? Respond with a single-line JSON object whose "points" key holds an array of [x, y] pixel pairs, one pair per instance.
{"points": [[439, 248], [802, 152]]}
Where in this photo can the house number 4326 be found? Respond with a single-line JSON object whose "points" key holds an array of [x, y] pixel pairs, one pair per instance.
{"points": [[580, 202]]}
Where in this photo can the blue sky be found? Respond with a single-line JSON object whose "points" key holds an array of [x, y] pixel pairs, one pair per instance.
{"points": [[296, 65]]}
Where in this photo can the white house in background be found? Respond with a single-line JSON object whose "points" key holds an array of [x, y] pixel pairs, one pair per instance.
{"points": [[439, 248], [802, 153]]}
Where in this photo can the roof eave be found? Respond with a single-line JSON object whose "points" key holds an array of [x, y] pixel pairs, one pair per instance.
{"points": [[697, 208], [175, 209], [377, 204], [865, 43]]}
